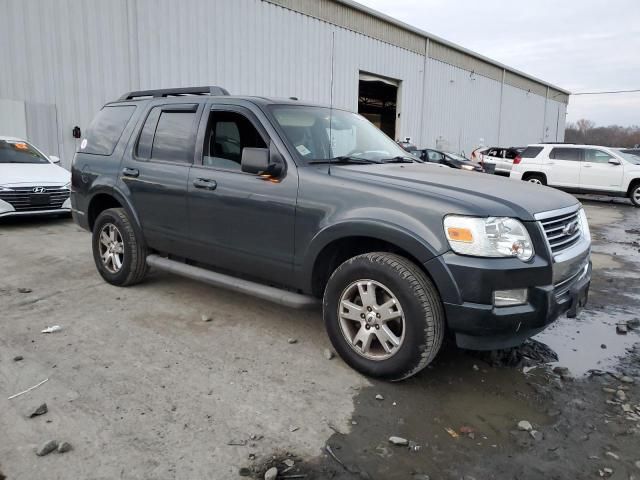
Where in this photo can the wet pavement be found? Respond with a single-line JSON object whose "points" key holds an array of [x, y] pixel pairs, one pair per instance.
{"points": [[460, 415]]}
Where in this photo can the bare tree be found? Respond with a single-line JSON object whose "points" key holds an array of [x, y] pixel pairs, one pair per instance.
{"points": [[586, 132], [585, 125]]}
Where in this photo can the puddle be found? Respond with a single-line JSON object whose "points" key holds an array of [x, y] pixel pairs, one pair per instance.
{"points": [[577, 341]]}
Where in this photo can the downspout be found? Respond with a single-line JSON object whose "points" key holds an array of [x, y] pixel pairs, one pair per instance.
{"points": [[424, 92], [500, 111], [544, 119]]}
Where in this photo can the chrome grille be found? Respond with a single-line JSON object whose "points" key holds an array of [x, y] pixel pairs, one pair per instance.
{"points": [[562, 231], [24, 199]]}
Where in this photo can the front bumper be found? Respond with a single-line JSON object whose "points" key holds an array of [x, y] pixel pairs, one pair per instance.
{"points": [[556, 283], [8, 210], [485, 327]]}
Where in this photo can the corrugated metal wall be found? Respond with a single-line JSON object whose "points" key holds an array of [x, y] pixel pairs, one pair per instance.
{"points": [[79, 54]]}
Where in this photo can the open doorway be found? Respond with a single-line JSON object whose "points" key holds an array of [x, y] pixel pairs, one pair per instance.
{"points": [[378, 102]]}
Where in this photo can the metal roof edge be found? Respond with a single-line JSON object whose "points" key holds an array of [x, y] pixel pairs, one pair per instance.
{"points": [[430, 36]]}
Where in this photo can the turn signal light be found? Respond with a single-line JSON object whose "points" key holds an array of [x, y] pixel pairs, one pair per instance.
{"points": [[460, 234]]}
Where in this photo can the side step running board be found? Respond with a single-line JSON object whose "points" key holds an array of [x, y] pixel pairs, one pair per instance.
{"points": [[265, 292]]}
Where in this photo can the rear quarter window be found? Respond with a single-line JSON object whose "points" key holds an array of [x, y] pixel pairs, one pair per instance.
{"points": [[106, 129], [531, 152]]}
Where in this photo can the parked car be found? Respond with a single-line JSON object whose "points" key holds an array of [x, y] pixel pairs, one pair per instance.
{"points": [[30, 182], [502, 158], [581, 169], [449, 159], [301, 204]]}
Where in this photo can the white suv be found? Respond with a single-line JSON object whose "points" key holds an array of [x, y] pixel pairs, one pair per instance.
{"points": [[580, 169]]}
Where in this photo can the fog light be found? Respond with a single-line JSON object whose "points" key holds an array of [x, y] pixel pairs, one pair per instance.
{"points": [[508, 298]]}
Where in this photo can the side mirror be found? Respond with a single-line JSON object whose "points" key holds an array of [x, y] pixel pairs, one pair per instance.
{"points": [[255, 160], [614, 161], [54, 159]]}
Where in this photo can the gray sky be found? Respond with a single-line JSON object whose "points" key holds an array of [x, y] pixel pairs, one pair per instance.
{"points": [[579, 45]]}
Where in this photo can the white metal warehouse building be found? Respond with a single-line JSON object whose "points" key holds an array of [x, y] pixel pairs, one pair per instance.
{"points": [[63, 59]]}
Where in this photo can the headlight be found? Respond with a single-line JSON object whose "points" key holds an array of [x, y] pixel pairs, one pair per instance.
{"points": [[584, 224], [488, 237], [467, 167], [67, 186], [5, 189]]}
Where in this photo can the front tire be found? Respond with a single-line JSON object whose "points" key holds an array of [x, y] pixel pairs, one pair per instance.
{"points": [[119, 253], [634, 195], [383, 315]]}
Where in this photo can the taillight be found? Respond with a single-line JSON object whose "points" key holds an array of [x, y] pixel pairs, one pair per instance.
{"points": [[517, 160]]}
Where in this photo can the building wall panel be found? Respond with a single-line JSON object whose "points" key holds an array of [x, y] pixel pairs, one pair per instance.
{"points": [[461, 110], [42, 127], [522, 117], [13, 122]]}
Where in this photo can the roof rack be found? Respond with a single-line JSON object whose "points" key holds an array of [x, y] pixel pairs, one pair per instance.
{"points": [[557, 143], [170, 92]]}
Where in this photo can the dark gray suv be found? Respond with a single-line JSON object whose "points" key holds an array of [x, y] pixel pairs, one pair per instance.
{"points": [[300, 204]]}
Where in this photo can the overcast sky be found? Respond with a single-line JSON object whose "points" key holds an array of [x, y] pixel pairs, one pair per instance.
{"points": [[579, 45]]}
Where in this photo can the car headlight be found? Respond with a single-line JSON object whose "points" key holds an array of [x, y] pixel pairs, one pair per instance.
{"points": [[67, 186], [584, 224], [5, 189], [488, 237], [467, 167]]}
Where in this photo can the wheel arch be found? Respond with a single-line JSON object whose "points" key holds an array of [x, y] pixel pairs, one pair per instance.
{"points": [[334, 245], [104, 199], [530, 173], [633, 184]]}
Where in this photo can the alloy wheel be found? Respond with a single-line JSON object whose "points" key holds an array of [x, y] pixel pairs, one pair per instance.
{"points": [[111, 248], [371, 319]]}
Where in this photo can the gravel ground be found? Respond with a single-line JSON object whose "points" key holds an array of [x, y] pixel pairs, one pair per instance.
{"points": [[142, 386]]}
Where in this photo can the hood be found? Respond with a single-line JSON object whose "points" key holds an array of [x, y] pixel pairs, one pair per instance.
{"points": [[466, 192], [26, 174]]}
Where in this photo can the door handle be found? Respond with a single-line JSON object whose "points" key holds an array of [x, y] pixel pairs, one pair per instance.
{"points": [[130, 172], [587, 166], [205, 183]]}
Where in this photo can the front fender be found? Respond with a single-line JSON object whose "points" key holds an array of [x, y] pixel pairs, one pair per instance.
{"points": [[423, 247]]}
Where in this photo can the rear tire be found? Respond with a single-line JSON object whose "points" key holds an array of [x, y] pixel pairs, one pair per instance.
{"points": [[634, 194], [536, 178], [119, 253], [400, 306]]}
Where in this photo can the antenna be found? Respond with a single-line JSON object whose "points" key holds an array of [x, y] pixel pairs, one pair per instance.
{"points": [[333, 46]]}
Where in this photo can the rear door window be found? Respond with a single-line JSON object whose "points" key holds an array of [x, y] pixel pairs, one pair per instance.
{"points": [[145, 142], [563, 153], [174, 138], [531, 152], [106, 129]]}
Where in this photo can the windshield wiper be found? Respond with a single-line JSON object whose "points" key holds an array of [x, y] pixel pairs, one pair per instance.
{"points": [[343, 159], [401, 159]]}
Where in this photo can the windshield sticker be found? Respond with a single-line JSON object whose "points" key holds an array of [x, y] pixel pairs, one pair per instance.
{"points": [[303, 150], [20, 145]]}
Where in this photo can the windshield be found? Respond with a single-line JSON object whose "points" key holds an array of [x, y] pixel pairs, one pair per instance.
{"points": [[630, 157], [16, 151], [322, 134]]}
